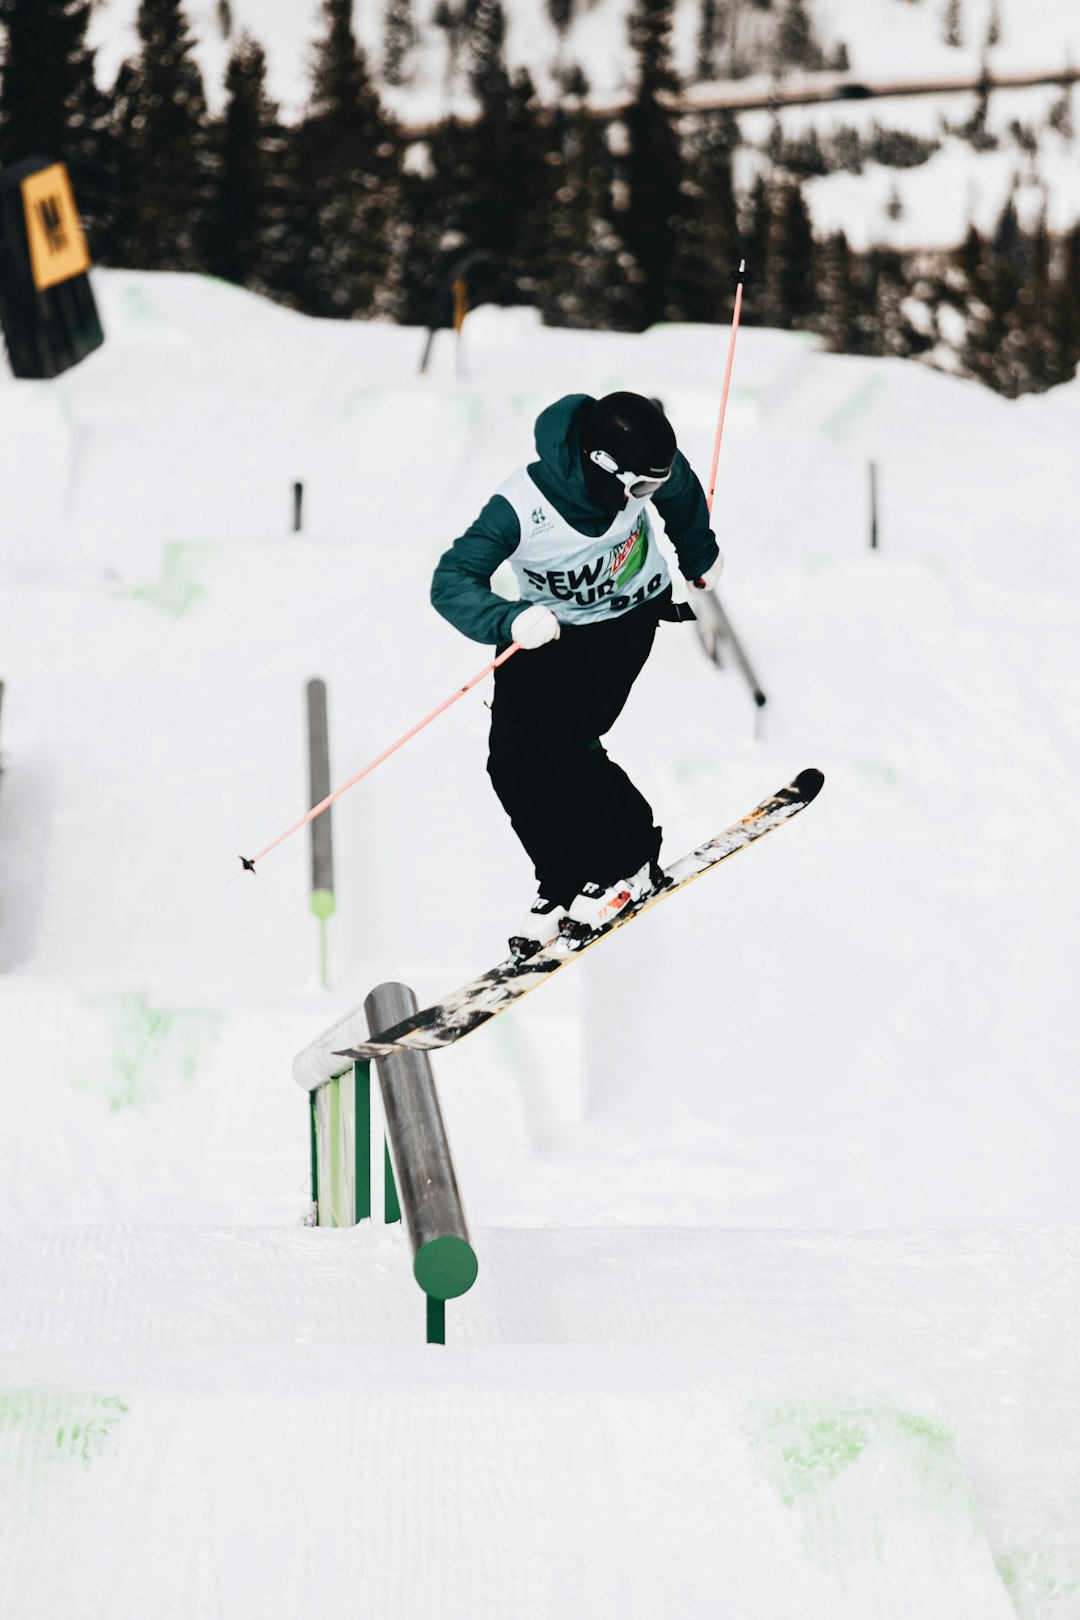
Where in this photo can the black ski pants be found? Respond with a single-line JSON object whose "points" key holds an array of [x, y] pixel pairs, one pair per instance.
{"points": [[579, 816]]}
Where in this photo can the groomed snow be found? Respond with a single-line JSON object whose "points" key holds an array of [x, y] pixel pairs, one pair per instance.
{"points": [[721, 1131]]}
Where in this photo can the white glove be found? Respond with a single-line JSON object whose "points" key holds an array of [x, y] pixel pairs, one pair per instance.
{"points": [[709, 578], [535, 626]]}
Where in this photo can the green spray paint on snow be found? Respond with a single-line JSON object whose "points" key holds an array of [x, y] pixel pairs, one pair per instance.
{"points": [[1041, 1575], [863, 1476], [180, 587], [43, 1427], [146, 1054], [877, 773], [836, 425]]}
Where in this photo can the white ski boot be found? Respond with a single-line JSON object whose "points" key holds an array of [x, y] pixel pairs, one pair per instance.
{"points": [[596, 906], [539, 927]]}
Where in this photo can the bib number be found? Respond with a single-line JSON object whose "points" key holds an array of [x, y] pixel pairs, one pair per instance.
{"points": [[618, 604]]}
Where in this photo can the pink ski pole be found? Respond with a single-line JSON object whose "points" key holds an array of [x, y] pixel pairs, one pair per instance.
{"points": [[739, 278], [317, 810]]}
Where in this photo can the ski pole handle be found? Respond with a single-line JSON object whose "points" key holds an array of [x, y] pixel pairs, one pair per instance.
{"points": [[317, 810], [739, 278]]}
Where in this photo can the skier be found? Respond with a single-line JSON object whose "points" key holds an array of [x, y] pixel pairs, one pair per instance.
{"points": [[593, 585]]}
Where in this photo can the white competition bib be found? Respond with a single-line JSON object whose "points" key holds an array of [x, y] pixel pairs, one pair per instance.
{"points": [[582, 579]]}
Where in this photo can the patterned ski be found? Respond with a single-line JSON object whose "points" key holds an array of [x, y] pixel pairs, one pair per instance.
{"points": [[466, 1009]]}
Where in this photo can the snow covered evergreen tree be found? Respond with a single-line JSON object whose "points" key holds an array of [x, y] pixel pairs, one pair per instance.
{"points": [[588, 278], [837, 318], [489, 77], [160, 124], [754, 214], [653, 165], [795, 44], [787, 296], [707, 246], [347, 180], [50, 105], [247, 225], [46, 78], [399, 40], [951, 24], [709, 36]]}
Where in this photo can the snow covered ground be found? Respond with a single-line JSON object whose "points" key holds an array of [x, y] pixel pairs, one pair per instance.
{"points": [[774, 1195]]}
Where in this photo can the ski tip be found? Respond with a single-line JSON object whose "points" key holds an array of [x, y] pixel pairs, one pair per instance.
{"points": [[809, 783]]}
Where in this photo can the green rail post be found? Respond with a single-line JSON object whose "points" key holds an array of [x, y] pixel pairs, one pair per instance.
{"points": [[362, 1136], [391, 1206], [314, 1155], [436, 1320]]}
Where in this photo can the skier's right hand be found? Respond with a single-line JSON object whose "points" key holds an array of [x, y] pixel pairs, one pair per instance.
{"points": [[534, 627]]}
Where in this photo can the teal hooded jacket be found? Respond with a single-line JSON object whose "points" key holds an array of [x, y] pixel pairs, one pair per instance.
{"points": [[461, 587]]}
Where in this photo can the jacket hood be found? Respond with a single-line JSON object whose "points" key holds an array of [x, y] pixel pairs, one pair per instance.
{"points": [[559, 473]]}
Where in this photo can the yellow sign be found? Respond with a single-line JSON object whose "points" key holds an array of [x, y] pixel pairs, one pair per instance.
{"points": [[57, 245]]}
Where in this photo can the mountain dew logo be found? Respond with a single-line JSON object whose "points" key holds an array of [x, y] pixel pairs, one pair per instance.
{"points": [[629, 558]]}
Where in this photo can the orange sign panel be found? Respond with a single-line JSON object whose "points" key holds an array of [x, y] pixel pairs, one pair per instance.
{"points": [[57, 245]]}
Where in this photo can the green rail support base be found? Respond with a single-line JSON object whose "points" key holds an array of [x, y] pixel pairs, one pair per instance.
{"points": [[436, 1320], [446, 1267]]}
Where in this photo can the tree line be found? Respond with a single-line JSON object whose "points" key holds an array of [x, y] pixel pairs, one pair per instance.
{"points": [[620, 225]]}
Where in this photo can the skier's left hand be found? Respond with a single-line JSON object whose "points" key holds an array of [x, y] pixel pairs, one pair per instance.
{"points": [[709, 578]]}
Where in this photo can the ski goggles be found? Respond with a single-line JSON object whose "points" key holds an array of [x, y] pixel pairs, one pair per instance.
{"points": [[639, 485]]}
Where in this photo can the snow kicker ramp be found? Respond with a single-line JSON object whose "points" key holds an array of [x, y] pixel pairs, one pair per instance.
{"points": [[630, 1422]]}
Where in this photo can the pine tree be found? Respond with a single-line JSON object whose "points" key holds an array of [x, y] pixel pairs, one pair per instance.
{"points": [[161, 126], [1059, 118], [347, 175], [399, 40], [837, 319], [246, 224], [952, 28], [894, 333], [488, 75], [653, 166], [709, 38], [707, 243], [50, 105], [795, 42], [1067, 299], [788, 298], [589, 280], [505, 207], [46, 77], [754, 243]]}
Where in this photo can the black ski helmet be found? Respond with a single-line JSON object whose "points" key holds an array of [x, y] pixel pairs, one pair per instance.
{"points": [[630, 431]]}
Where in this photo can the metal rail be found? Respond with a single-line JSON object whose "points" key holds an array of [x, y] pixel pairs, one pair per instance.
{"points": [[420, 1183], [444, 1263]]}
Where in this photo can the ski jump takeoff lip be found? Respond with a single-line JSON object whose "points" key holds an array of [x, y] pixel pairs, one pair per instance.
{"points": [[464, 1010]]}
